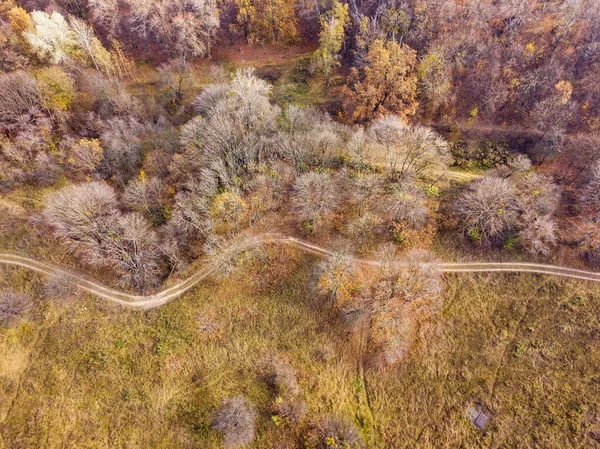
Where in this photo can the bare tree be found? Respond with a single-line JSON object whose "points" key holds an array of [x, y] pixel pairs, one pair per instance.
{"points": [[86, 217], [226, 253], [82, 215], [236, 420], [365, 192], [590, 194], [146, 196], [122, 143], [132, 249], [84, 156], [405, 290], [238, 131], [414, 278], [13, 305], [362, 229], [538, 233], [358, 148], [20, 99], [210, 97], [407, 206], [191, 212], [106, 14], [488, 209], [314, 198], [85, 38], [409, 150], [187, 26], [538, 193]]}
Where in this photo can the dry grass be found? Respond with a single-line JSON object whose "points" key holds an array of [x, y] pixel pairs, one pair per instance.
{"points": [[106, 377], [524, 347], [89, 374]]}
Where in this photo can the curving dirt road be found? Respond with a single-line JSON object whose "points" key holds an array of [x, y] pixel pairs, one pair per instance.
{"points": [[167, 295]]}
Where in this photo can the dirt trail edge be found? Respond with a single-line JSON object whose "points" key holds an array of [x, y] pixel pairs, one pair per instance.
{"points": [[173, 292]]}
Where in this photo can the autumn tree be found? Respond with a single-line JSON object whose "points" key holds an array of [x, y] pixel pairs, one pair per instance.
{"points": [[84, 156], [228, 211], [369, 30], [264, 21], [331, 39], [57, 90], [387, 83], [337, 275], [435, 78]]}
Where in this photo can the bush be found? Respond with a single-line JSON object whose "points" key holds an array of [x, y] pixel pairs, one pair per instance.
{"points": [[293, 411], [13, 305], [334, 432], [59, 288], [283, 379], [236, 420]]}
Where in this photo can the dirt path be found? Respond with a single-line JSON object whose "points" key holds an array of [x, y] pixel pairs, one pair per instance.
{"points": [[173, 292]]}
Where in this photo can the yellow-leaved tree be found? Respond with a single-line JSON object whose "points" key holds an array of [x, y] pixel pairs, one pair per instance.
{"points": [[266, 20], [331, 39]]}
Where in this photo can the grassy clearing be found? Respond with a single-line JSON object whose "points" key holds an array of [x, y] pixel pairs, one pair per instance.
{"points": [[92, 375], [106, 377], [524, 347]]}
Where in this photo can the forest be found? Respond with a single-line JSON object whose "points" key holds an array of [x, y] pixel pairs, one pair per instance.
{"points": [[344, 172]]}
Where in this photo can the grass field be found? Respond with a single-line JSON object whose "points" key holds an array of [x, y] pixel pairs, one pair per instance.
{"points": [[88, 375]]}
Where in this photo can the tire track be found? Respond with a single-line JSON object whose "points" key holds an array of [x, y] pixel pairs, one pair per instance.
{"points": [[158, 299]]}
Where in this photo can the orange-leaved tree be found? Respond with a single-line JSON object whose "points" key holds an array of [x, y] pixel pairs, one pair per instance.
{"points": [[386, 84]]}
